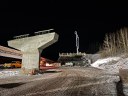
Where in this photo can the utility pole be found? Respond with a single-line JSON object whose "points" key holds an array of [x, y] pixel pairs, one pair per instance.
{"points": [[77, 42]]}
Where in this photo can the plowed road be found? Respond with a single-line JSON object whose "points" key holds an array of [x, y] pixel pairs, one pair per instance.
{"points": [[70, 81]]}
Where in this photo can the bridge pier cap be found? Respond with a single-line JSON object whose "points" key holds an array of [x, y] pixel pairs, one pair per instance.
{"points": [[31, 47]]}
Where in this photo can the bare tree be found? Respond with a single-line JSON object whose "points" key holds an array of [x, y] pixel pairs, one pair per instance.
{"points": [[116, 43]]}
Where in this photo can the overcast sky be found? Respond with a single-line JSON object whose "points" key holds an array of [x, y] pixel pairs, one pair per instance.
{"points": [[90, 19]]}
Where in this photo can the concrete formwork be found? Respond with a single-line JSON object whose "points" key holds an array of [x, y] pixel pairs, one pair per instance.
{"points": [[31, 47]]}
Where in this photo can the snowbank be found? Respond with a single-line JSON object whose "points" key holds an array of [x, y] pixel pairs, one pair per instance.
{"points": [[111, 64], [100, 62], [4, 74]]}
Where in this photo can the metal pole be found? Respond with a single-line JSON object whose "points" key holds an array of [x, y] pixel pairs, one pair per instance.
{"points": [[77, 42]]}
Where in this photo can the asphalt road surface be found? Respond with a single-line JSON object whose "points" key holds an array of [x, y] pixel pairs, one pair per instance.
{"points": [[66, 81]]}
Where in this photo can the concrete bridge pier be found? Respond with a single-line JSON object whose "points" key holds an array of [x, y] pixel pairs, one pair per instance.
{"points": [[31, 48], [30, 59]]}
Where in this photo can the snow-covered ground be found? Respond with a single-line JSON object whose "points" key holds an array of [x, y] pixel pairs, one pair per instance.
{"points": [[111, 64], [100, 62], [4, 74]]}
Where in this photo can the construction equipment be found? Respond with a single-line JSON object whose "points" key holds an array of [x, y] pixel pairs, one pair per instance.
{"points": [[46, 64], [13, 64]]}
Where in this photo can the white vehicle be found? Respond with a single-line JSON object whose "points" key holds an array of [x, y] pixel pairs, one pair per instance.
{"points": [[69, 64]]}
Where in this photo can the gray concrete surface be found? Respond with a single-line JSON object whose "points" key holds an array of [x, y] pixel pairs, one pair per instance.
{"points": [[31, 47], [65, 81]]}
